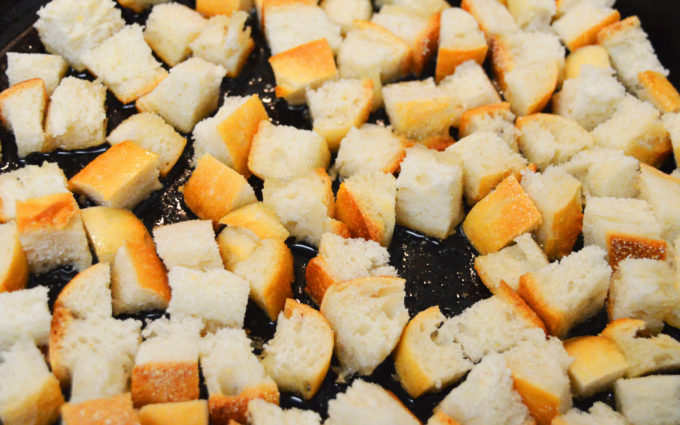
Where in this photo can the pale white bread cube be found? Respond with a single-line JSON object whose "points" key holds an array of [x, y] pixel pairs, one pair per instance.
{"points": [[425, 363], [281, 151], [591, 98], [367, 315], [112, 61], [26, 66], [594, 55], [86, 296], [366, 203], [299, 354], [370, 147], [342, 259], [30, 394], [547, 139], [652, 400], [528, 88], [487, 160], [662, 192], [149, 131], [257, 218], [121, 177], [139, 6], [169, 30], [261, 412], [22, 110], [233, 375], [338, 106], [511, 262], [567, 292], [345, 12], [496, 118], [657, 90], [194, 412], [187, 95], [644, 352], [76, 116], [563, 6], [460, 40], [533, 15], [598, 362], [70, 28], [605, 172], [422, 6], [635, 128], [365, 403], [430, 192], [557, 195], [487, 397], [294, 23], [580, 25], [225, 41], [671, 122], [13, 265], [420, 111], [118, 409], [630, 51], [599, 413], [493, 17], [24, 314], [236, 244], [51, 232], [469, 87], [188, 244]]}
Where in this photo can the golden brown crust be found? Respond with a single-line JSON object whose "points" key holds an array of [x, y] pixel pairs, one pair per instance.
{"points": [[17, 88], [318, 278], [622, 246], [449, 59], [613, 29], [349, 210], [116, 410], [278, 289], [61, 319], [427, 42], [110, 228], [660, 91], [598, 362], [48, 212], [149, 269], [501, 59], [40, 408], [224, 408], [566, 228], [16, 274], [468, 115], [507, 294], [542, 405], [164, 382], [217, 7], [193, 412], [143, 90], [589, 36], [258, 218], [531, 292], [339, 228]]}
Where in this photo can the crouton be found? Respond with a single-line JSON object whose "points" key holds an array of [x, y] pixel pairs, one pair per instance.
{"points": [[27, 66], [532, 15], [117, 409], [344, 13], [598, 363], [469, 87], [25, 315], [580, 25], [594, 55], [193, 412], [110, 228], [169, 30], [294, 24], [370, 147], [22, 110], [13, 265], [649, 400], [495, 118], [220, 7], [605, 173], [460, 40], [236, 244], [261, 412], [662, 192], [657, 90], [31, 181], [258, 218], [493, 17], [225, 41], [189, 244]]}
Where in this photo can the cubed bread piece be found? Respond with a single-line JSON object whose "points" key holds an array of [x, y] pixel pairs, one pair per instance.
{"points": [[367, 315], [233, 376], [139, 6], [533, 15], [594, 55], [635, 128], [70, 28], [299, 354], [292, 24], [468, 87], [366, 203], [261, 412], [487, 396], [166, 365], [370, 147], [193, 412], [121, 177], [511, 262], [76, 117], [598, 362], [225, 41], [662, 192], [605, 172], [26, 66], [557, 195], [261, 6], [149, 131], [630, 51], [493, 17], [430, 192], [460, 40], [110, 228], [342, 259], [282, 151], [501, 216], [580, 25], [112, 62], [650, 400], [495, 118], [258, 218], [236, 244], [657, 90], [567, 292], [116, 409], [528, 88], [52, 233], [422, 6], [30, 394], [187, 95], [599, 413], [22, 110], [419, 29], [338, 106], [169, 30], [345, 12], [24, 314], [221, 7], [425, 363], [671, 122], [189, 244], [13, 265]]}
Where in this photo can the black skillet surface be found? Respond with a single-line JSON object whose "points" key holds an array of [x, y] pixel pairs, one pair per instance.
{"points": [[436, 272]]}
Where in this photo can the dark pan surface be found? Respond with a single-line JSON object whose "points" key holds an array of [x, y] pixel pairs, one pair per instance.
{"points": [[437, 272]]}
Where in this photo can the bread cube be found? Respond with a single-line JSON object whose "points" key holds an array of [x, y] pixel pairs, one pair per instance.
{"points": [[258, 218], [657, 90], [368, 402], [563, 6], [281, 151], [662, 192], [533, 15], [594, 55], [100, 411], [111, 62], [440, 418], [649, 400], [22, 110], [188, 244], [236, 244], [110, 228], [25, 315], [567, 292], [76, 117], [225, 41], [70, 28], [149, 131], [261, 6], [344, 12], [261, 412], [599, 413], [293, 24], [30, 394], [426, 364], [580, 25], [460, 40], [193, 412], [338, 106], [169, 30], [233, 376], [495, 118], [86, 296], [493, 17], [13, 265], [27, 66], [598, 362], [370, 147], [220, 7], [468, 87], [605, 173]]}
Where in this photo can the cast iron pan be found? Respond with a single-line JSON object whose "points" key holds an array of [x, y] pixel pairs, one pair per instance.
{"points": [[436, 272]]}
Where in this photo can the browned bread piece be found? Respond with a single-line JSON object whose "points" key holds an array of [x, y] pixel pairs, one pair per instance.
{"points": [[492, 15], [189, 244], [110, 228], [593, 55], [496, 118], [580, 25], [311, 24], [258, 218], [460, 40], [22, 110], [656, 89], [193, 412], [598, 362], [116, 410], [222, 7], [31, 181], [13, 265], [441, 418], [236, 244]]}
